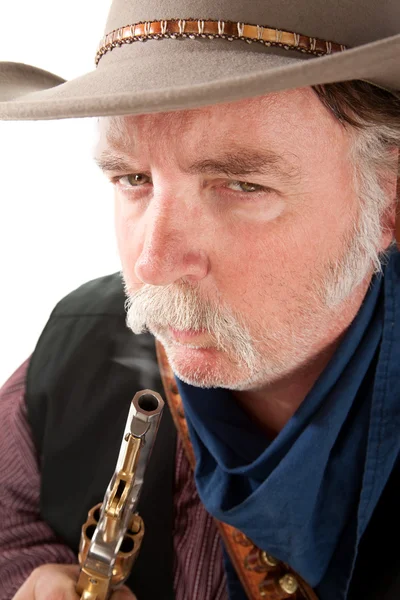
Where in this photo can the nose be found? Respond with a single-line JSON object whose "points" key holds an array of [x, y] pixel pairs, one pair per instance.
{"points": [[170, 248]]}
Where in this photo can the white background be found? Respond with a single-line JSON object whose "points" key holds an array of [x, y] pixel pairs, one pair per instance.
{"points": [[56, 209]]}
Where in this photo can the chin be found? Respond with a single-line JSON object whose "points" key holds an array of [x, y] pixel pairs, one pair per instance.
{"points": [[205, 367]]}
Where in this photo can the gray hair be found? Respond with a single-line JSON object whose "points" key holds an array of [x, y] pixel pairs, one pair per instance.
{"points": [[371, 117]]}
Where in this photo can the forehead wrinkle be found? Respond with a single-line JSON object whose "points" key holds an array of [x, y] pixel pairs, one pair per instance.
{"points": [[121, 132], [118, 133], [124, 134]]}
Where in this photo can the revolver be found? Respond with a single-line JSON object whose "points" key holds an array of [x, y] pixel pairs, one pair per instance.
{"points": [[113, 532]]}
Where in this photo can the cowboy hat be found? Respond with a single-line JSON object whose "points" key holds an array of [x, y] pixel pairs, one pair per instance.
{"points": [[157, 56]]}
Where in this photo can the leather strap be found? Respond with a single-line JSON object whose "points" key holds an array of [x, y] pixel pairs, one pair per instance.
{"points": [[261, 575]]}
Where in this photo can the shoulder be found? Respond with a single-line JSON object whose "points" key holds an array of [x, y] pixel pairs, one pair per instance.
{"points": [[101, 296]]}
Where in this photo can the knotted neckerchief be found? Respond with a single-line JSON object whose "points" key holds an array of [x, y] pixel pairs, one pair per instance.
{"points": [[307, 496]]}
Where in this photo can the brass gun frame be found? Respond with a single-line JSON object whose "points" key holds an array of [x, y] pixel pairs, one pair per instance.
{"points": [[112, 535]]}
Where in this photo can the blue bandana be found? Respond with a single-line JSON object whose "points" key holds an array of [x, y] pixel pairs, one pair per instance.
{"points": [[307, 496]]}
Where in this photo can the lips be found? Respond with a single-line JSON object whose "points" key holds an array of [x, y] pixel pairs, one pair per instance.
{"points": [[188, 335]]}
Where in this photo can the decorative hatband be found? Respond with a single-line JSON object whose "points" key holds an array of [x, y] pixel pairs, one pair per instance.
{"points": [[227, 30]]}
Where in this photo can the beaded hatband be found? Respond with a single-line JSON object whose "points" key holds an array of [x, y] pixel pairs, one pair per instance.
{"points": [[227, 30]]}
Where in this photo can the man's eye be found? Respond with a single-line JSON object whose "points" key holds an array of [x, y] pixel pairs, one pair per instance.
{"points": [[134, 180], [244, 186]]}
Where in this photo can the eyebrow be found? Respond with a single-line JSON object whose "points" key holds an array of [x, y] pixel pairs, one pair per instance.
{"points": [[242, 162], [109, 161]]}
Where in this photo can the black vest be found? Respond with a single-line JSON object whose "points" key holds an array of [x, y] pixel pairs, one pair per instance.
{"points": [[85, 370]]}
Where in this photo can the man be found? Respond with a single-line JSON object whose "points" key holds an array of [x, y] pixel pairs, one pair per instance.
{"points": [[255, 205]]}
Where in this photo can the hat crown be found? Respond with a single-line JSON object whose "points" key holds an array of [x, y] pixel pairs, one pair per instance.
{"points": [[195, 54], [348, 22]]}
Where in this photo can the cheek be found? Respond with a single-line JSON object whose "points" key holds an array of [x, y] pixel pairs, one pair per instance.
{"points": [[268, 266], [127, 239], [251, 265], [120, 228]]}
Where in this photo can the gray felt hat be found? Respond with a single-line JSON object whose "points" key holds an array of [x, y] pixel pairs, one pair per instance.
{"points": [[160, 55]]}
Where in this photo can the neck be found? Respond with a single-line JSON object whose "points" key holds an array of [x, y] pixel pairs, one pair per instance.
{"points": [[274, 404]]}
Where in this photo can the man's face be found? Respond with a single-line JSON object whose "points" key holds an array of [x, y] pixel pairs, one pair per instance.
{"points": [[229, 220]]}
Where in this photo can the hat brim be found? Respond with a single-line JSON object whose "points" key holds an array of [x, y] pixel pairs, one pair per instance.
{"points": [[163, 75]]}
